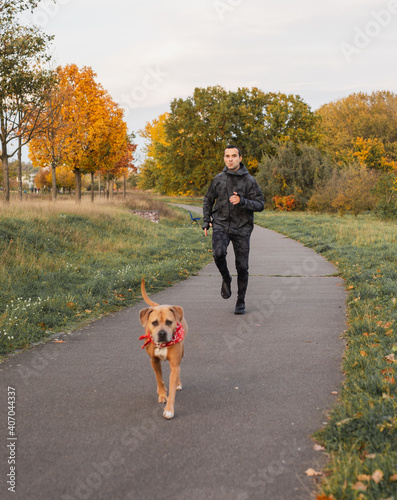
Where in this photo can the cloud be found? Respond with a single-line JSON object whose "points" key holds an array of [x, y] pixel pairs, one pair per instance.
{"points": [[148, 53]]}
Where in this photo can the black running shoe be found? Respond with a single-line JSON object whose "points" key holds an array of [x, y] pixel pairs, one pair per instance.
{"points": [[240, 307], [226, 290]]}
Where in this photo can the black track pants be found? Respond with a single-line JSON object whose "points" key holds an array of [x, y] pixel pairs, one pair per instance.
{"points": [[241, 246]]}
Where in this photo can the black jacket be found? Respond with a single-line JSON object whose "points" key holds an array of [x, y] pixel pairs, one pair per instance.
{"points": [[235, 219]]}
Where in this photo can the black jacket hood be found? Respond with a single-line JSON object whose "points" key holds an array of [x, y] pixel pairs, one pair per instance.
{"points": [[241, 171]]}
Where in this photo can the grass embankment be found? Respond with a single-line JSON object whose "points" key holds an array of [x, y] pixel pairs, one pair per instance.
{"points": [[64, 264], [361, 435]]}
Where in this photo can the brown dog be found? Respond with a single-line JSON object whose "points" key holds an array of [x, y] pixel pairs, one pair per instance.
{"points": [[165, 328]]}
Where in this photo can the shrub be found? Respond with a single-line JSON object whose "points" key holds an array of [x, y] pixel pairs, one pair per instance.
{"points": [[284, 203], [351, 189], [294, 171], [386, 190]]}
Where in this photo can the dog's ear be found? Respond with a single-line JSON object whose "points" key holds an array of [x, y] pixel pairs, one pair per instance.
{"points": [[178, 311], [144, 315]]}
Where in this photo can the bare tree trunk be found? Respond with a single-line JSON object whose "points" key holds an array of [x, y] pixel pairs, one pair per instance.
{"points": [[111, 187], [54, 182], [92, 187], [78, 184], [125, 187], [20, 187], [107, 185], [6, 174], [4, 161], [99, 184]]}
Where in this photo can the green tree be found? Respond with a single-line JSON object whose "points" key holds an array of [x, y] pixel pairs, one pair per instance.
{"points": [[23, 81], [151, 174], [198, 129]]}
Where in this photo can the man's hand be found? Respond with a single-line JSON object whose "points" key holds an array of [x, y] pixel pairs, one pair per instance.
{"points": [[206, 226], [234, 199]]}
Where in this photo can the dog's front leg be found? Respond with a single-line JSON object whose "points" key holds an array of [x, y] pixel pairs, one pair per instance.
{"points": [[161, 388], [174, 383]]}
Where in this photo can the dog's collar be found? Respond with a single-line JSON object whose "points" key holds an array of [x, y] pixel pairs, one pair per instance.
{"points": [[177, 337]]}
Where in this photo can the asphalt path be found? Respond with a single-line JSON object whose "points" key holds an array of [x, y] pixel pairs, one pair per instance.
{"points": [[255, 388]]}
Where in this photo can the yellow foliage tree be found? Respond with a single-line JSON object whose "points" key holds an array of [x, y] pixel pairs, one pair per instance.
{"points": [[151, 173], [368, 116], [107, 142], [371, 152]]}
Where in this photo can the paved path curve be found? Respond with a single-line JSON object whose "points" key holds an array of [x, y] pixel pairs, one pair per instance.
{"points": [[255, 388]]}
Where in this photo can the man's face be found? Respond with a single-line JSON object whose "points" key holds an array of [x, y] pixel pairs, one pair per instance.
{"points": [[232, 159]]}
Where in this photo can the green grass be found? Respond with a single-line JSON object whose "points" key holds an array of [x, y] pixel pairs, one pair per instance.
{"points": [[361, 436], [62, 265]]}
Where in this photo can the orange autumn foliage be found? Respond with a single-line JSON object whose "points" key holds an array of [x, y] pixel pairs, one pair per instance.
{"points": [[89, 132]]}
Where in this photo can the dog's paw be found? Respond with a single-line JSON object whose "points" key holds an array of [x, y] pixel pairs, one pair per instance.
{"points": [[168, 414], [179, 387], [162, 398]]}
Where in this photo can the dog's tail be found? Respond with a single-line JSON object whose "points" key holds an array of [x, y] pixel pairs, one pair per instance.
{"points": [[144, 295]]}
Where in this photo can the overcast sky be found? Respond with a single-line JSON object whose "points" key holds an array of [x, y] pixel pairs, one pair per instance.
{"points": [[148, 52]]}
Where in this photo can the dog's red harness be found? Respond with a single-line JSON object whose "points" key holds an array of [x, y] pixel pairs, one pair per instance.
{"points": [[178, 336]]}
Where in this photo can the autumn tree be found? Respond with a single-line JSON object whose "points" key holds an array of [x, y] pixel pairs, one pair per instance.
{"points": [[65, 179], [42, 179], [151, 175], [89, 133], [125, 164], [83, 111], [371, 153], [107, 142], [24, 82], [360, 115]]}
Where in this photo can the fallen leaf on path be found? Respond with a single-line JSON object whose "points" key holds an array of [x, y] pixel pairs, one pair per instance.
{"points": [[334, 393], [318, 447], [59, 341], [312, 472]]}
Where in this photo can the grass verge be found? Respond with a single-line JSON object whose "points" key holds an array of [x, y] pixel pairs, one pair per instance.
{"points": [[361, 435], [65, 264]]}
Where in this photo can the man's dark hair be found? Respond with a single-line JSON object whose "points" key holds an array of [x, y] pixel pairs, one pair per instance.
{"points": [[230, 146]]}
